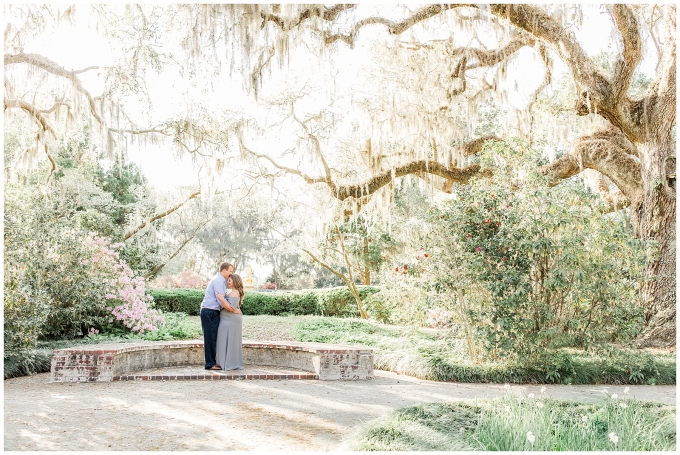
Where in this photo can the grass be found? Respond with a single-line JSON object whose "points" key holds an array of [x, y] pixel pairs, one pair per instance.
{"points": [[514, 423]]}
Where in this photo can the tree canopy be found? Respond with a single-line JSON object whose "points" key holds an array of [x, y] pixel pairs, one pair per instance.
{"points": [[349, 99]]}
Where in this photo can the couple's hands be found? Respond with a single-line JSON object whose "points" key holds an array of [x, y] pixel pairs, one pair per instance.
{"points": [[234, 310]]}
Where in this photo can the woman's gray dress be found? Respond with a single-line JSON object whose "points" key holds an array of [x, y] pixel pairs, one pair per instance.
{"points": [[229, 338]]}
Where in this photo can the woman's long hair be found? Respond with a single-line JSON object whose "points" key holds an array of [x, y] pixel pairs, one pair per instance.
{"points": [[238, 285]]}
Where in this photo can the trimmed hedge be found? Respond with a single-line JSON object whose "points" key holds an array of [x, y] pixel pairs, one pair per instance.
{"points": [[321, 302], [177, 300]]}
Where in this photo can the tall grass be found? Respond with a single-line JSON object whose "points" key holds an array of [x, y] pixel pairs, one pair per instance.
{"points": [[514, 423]]}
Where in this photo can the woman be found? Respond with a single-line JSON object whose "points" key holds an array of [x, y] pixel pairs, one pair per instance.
{"points": [[229, 355]]}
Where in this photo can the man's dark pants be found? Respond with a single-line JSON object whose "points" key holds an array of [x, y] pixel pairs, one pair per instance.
{"points": [[210, 321]]}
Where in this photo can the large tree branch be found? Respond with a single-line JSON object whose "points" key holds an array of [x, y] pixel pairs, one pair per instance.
{"points": [[541, 25], [186, 241], [44, 124], [53, 68], [361, 190], [630, 57], [615, 199], [594, 89], [315, 140], [394, 28], [36, 113], [606, 151], [482, 58], [328, 14], [142, 131], [159, 216], [658, 108]]}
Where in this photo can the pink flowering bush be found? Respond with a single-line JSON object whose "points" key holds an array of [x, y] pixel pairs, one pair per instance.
{"points": [[124, 293]]}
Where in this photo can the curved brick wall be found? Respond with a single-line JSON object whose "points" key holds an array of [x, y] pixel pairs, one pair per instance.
{"points": [[116, 362]]}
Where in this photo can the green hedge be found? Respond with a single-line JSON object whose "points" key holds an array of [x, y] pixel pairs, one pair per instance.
{"points": [[326, 302], [178, 300]]}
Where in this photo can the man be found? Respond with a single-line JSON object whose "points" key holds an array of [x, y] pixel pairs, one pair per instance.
{"points": [[210, 313]]}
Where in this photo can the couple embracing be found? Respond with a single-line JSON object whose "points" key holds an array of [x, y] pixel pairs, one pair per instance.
{"points": [[222, 321]]}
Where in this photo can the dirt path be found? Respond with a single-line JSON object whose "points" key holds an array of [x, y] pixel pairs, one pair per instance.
{"points": [[233, 415]]}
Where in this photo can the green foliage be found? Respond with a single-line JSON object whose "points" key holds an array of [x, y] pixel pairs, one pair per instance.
{"points": [[175, 327], [340, 302], [514, 423], [425, 354], [368, 246], [280, 303], [524, 266], [330, 302], [341, 331], [27, 362], [51, 287], [186, 301], [124, 182], [46, 288], [241, 234], [25, 312]]}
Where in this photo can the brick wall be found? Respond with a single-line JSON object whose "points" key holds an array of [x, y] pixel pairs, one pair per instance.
{"points": [[108, 363]]}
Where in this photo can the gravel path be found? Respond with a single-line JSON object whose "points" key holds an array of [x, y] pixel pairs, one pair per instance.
{"points": [[270, 415], [234, 415]]}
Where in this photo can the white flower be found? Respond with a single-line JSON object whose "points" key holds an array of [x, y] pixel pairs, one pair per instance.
{"points": [[584, 418], [531, 438], [531, 395], [539, 404], [625, 391], [605, 391], [614, 396], [623, 405], [613, 437], [543, 389]]}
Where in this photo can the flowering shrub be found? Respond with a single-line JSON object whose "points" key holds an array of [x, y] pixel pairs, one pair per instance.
{"points": [[57, 278], [268, 286], [124, 293]]}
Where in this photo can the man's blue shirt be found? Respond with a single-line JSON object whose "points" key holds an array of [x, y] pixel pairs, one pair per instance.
{"points": [[217, 284]]}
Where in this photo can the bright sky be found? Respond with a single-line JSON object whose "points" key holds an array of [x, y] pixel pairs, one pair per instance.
{"points": [[85, 48]]}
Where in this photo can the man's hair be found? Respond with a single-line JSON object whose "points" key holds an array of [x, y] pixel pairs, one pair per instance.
{"points": [[225, 266]]}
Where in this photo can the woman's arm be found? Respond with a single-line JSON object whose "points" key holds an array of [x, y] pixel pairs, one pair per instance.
{"points": [[224, 302]]}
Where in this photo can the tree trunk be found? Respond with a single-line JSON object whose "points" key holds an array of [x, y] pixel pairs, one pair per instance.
{"points": [[654, 219], [366, 276], [355, 292]]}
